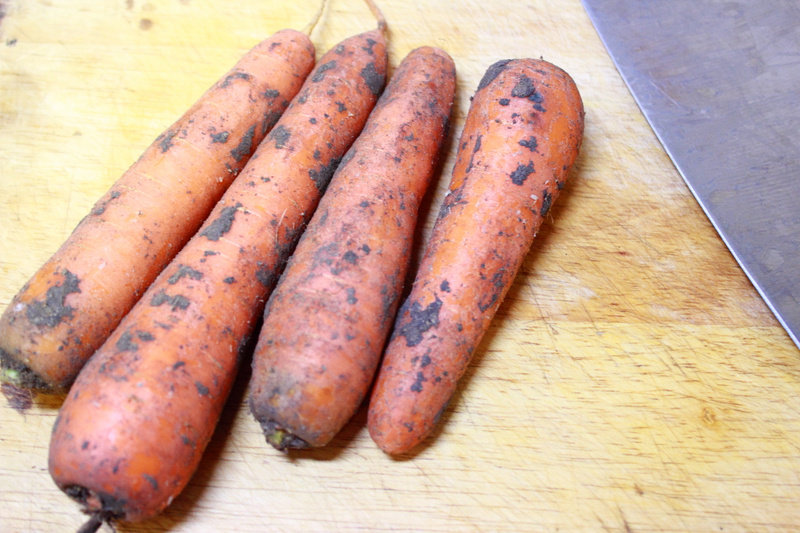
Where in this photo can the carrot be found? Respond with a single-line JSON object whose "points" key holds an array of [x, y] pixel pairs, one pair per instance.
{"points": [[134, 425], [330, 314], [69, 307], [521, 136]]}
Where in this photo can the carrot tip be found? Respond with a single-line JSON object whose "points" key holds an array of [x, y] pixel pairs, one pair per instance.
{"points": [[281, 439]]}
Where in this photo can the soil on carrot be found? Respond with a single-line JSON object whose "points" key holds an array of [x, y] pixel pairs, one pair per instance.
{"points": [[475, 150], [323, 174], [522, 172], [245, 145], [265, 275], [547, 200], [235, 76], [53, 309], [222, 224], [421, 319], [498, 283], [100, 208], [280, 135], [319, 75], [221, 137], [492, 72], [373, 78], [453, 198], [166, 140], [177, 301], [126, 343], [530, 143], [270, 119], [185, 270]]}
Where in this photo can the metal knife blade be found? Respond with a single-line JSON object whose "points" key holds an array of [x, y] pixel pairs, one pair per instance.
{"points": [[719, 83]]}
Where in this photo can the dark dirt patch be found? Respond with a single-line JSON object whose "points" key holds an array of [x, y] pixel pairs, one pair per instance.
{"points": [[245, 145], [126, 343], [221, 137], [373, 78], [166, 140], [53, 309], [531, 143], [265, 275], [222, 224], [235, 76], [319, 73], [547, 201], [475, 150], [492, 72], [184, 270], [270, 119], [176, 301], [280, 135], [420, 319], [322, 175], [522, 172]]}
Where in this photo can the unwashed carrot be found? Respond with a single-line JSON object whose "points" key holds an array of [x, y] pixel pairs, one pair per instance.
{"points": [[134, 425], [69, 307], [330, 314], [521, 136]]}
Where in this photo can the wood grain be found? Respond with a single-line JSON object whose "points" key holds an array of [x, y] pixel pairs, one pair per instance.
{"points": [[632, 380]]}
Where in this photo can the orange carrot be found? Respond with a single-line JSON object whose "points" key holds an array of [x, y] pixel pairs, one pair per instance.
{"points": [[522, 134], [330, 314], [69, 307], [134, 425]]}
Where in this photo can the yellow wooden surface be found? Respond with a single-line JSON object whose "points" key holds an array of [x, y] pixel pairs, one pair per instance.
{"points": [[632, 380]]}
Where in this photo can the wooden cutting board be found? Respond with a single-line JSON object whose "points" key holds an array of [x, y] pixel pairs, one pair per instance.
{"points": [[632, 380]]}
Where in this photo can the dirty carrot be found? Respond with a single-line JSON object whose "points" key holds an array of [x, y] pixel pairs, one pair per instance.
{"points": [[329, 316], [134, 425], [69, 307], [521, 136]]}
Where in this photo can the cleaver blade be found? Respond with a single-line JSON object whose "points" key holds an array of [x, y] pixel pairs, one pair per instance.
{"points": [[719, 83]]}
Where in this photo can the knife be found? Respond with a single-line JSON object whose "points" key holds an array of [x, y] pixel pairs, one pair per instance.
{"points": [[719, 83]]}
